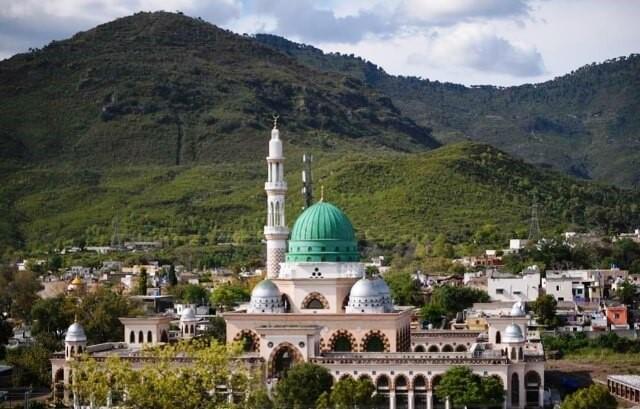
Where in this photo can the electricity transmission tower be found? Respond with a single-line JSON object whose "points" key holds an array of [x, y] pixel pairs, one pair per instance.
{"points": [[534, 224]]}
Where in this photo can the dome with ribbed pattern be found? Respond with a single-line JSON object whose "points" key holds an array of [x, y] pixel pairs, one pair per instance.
{"points": [[323, 233]]}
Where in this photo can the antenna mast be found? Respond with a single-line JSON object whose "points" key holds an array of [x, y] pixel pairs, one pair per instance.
{"points": [[307, 181]]}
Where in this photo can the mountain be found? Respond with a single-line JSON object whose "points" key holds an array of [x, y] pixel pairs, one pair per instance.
{"points": [[586, 123], [163, 88], [158, 123]]}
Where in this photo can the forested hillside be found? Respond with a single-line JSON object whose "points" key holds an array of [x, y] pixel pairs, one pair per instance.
{"points": [[585, 123]]}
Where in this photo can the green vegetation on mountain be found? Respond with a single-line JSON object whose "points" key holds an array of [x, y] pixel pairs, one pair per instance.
{"points": [[157, 124], [586, 123]]}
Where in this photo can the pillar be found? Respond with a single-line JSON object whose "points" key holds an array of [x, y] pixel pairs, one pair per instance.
{"points": [[429, 399], [541, 396], [447, 403], [410, 400], [392, 399]]}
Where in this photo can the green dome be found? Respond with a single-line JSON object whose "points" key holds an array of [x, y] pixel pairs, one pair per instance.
{"points": [[323, 233]]}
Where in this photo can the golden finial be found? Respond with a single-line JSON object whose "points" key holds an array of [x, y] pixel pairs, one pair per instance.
{"points": [[322, 193], [275, 121]]}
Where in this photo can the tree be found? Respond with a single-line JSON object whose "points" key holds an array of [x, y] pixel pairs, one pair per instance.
{"points": [[142, 282], [455, 299], [51, 317], [6, 332], [161, 383], [217, 329], [433, 313], [259, 399], [23, 292], [544, 308], [228, 295], [463, 387], [189, 293], [348, 393], [100, 314], [31, 365], [626, 292], [302, 386], [404, 289], [172, 278], [593, 397]]}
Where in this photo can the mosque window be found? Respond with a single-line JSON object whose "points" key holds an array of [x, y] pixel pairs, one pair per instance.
{"points": [[132, 338], [315, 304], [140, 337], [308, 258], [149, 336]]}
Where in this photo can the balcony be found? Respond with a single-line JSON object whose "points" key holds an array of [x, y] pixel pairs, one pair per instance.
{"points": [[275, 186]]}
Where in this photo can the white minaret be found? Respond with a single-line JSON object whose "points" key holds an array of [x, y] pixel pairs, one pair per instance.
{"points": [[275, 231]]}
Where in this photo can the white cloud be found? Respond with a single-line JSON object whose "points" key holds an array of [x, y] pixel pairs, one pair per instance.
{"points": [[446, 12], [479, 48]]}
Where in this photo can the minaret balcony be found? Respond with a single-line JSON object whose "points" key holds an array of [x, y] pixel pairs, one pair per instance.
{"points": [[276, 231], [275, 185]]}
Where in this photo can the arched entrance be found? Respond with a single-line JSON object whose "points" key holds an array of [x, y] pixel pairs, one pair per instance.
{"points": [[164, 337], [419, 348], [419, 392], [437, 402], [315, 301], [532, 387], [383, 385], [282, 359], [375, 341], [498, 338], [402, 390], [515, 390], [249, 339], [342, 341]]}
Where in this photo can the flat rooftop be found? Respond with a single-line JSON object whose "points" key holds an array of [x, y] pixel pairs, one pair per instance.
{"points": [[630, 380]]}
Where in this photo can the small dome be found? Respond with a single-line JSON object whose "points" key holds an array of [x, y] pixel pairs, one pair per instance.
{"points": [[512, 335], [265, 288], [364, 288], [365, 297], [518, 310], [76, 281], [75, 333], [385, 293], [188, 314], [266, 298]]}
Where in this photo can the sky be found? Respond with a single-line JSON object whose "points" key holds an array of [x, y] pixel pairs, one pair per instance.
{"points": [[498, 42]]}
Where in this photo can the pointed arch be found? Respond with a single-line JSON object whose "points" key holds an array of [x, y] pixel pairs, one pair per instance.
{"points": [[250, 340], [282, 358], [342, 341], [315, 301], [132, 337], [375, 341]]}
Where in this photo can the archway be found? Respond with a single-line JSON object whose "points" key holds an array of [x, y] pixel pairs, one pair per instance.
{"points": [[149, 337], [58, 384], [447, 348], [375, 341], [419, 391], [342, 341], [437, 402], [461, 348], [532, 383], [419, 348], [498, 338], [140, 337], [315, 301], [132, 338], [282, 359], [433, 348], [383, 385], [164, 337], [401, 386], [249, 339], [515, 390]]}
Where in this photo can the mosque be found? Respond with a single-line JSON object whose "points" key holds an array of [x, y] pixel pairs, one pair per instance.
{"points": [[318, 305]]}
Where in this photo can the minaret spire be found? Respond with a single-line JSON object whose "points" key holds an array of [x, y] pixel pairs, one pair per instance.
{"points": [[275, 231]]}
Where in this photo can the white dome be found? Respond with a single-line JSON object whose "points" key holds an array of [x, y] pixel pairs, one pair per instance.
{"points": [[512, 335], [385, 293], [188, 314], [365, 297], [265, 288], [364, 288], [75, 333], [518, 310], [266, 298]]}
